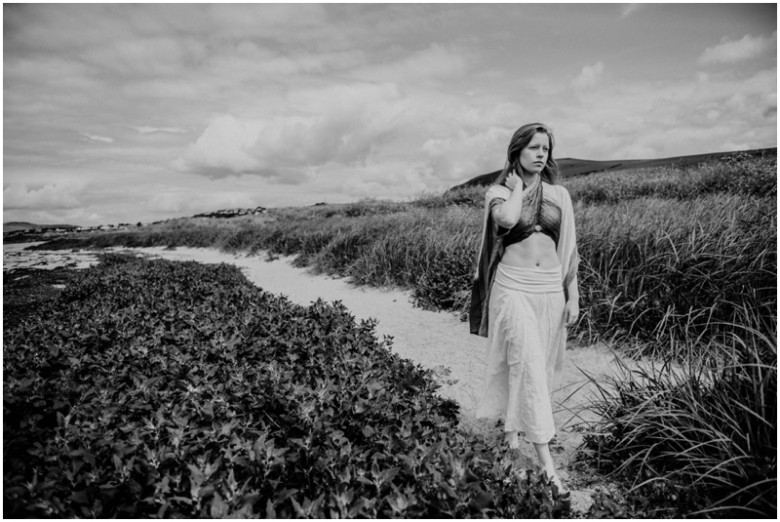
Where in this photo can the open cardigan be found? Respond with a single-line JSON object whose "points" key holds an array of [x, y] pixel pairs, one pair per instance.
{"points": [[492, 247]]}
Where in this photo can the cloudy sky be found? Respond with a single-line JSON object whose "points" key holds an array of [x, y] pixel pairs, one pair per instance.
{"points": [[124, 113]]}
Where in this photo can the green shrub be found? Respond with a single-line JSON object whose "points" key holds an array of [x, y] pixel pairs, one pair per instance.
{"points": [[161, 389]]}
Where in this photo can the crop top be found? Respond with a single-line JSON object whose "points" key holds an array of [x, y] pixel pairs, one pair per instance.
{"points": [[548, 206], [539, 214]]}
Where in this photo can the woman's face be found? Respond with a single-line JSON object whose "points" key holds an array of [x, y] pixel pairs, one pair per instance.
{"points": [[533, 157]]}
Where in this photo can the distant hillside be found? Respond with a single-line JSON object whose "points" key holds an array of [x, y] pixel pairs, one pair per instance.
{"points": [[569, 167], [13, 226]]}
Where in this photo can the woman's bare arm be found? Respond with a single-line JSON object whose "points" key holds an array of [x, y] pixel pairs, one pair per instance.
{"points": [[507, 214]]}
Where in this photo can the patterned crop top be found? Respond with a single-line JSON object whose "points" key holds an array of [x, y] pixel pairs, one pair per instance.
{"points": [[539, 214], [551, 209]]}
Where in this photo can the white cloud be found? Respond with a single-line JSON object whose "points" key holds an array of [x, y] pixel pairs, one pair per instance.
{"points": [[670, 117], [466, 154], [432, 63], [346, 100], [153, 57], [629, 9], [95, 137], [746, 48], [360, 128], [589, 76], [342, 123], [51, 196], [151, 130], [291, 21], [223, 148]]}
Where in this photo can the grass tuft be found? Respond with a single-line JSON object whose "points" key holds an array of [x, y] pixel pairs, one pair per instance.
{"points": [[696, 438]]}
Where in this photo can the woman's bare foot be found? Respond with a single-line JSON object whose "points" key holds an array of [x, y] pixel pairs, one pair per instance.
{"points": [[556, 480]]}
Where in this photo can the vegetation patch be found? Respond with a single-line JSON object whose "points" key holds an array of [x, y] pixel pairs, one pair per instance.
{"points": [[695, 440], [678, 263], [163, 389], [663, 272], [739, 174]]}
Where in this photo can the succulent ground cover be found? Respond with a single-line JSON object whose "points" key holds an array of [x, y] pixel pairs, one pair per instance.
{"points": [[154, 388]]}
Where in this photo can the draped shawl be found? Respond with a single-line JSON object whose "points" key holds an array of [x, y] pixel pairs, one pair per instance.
{"points": [[492, 248]]}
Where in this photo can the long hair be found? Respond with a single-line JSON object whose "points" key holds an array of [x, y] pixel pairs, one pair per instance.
{"points": [[520, 140]]}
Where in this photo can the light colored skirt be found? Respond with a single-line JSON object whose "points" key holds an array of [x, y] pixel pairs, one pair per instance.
{"points": [[526, 349]]}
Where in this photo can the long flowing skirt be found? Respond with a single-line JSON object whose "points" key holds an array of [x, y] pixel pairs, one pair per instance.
{"points": [[526, 350]]}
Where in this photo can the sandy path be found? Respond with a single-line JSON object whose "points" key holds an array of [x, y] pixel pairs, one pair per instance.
{"points": [[436, 340]]}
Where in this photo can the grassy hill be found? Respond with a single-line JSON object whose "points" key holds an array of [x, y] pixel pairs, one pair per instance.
{"points": [[571, 167]]}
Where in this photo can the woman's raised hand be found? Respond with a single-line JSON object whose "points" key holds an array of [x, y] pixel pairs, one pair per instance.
{"points": [[512, 180]]}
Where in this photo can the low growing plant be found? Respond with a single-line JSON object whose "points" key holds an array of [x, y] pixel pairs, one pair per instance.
{"points": [[162, 389]]}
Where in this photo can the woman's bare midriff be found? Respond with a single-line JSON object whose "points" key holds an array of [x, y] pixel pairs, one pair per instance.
{"points": [[536, 251]]}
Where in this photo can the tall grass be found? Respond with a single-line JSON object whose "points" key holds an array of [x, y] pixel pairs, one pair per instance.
{"points": [[737, 175], [698, 439], [663, 270]]}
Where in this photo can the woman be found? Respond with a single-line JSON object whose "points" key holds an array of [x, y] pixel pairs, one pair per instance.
{"points": [[525, 290]]}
